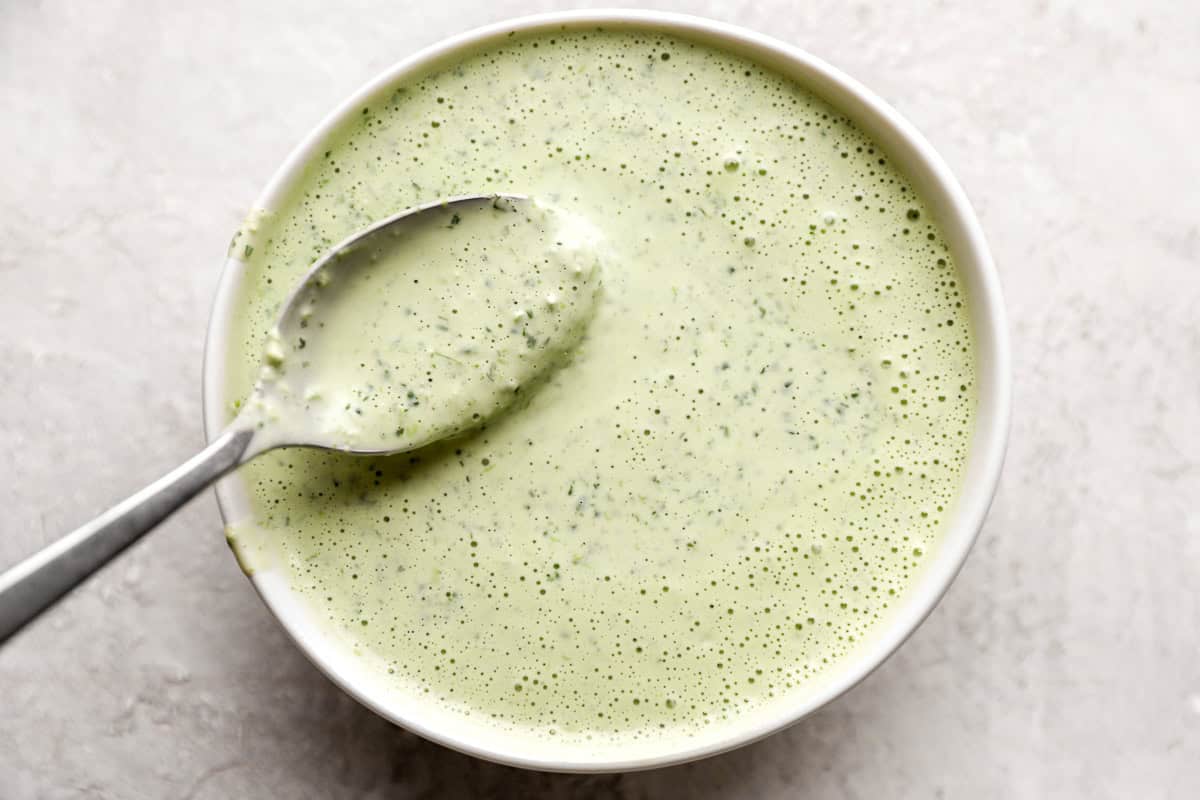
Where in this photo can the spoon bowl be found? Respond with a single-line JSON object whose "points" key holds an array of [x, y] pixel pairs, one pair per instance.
{"points": [[425, 325]]}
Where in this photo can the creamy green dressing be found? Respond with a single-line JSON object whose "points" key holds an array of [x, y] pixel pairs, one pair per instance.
{"points": [[428, 327], [739, 473]]}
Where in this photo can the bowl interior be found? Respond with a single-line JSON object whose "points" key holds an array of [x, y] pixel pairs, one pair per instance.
{"points": [[930, 177]]}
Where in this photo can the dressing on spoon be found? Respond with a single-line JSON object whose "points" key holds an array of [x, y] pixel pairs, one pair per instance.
{"points": [[421, 331], [415, 329]]}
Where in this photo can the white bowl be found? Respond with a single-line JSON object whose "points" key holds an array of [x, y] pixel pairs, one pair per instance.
{"points": [[932, 180]]}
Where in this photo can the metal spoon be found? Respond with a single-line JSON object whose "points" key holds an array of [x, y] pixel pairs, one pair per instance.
{"points": [[35, 584]]}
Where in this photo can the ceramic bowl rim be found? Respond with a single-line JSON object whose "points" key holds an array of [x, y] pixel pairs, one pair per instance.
{"points": [[971, 254]]}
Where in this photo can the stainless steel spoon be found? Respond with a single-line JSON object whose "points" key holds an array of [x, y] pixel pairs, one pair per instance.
{"points": [[35, 584]]}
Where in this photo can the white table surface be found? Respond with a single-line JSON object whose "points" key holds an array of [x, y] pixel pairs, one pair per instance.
{"points": [[1064, 662]]}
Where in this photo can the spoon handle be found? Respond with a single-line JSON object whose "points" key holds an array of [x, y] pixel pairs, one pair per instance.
{"points": [[33, 585]]}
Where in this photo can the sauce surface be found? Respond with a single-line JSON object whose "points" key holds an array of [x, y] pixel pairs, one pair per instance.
{"points": [[750, 454]]}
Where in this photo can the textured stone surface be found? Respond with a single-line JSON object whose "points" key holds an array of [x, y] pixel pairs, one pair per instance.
{"points": [[1065, 661]]}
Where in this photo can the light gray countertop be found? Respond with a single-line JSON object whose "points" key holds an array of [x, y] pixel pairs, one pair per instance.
{"points": [[1065, 661]]}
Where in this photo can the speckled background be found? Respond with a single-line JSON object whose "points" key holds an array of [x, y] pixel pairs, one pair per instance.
{"points": [[1065, 661]]}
